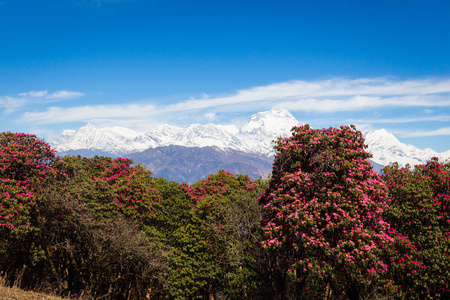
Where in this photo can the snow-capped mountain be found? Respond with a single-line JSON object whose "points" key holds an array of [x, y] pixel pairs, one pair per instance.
{"points": [[255, 137], [110, 139], [386, 149]]}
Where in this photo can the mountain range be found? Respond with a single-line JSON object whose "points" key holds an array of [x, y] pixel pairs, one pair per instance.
{"points": [[189, 153]]}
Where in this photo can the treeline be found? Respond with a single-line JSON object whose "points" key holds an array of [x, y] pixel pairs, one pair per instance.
{"points": [[324, 226]]}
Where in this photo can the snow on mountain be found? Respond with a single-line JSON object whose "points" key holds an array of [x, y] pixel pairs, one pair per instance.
{"points": [[386, 149], [275, 122], [89, 137], [195, 135], [258, 134], [254, 137]]}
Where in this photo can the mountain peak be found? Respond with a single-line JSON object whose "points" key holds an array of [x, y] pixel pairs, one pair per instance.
{"points": [[275, 122], [381, 136], [274, 113], [89, 127], [386, 149]]}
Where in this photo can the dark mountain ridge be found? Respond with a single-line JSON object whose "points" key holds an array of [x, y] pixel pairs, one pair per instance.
{"points": [[190, 164]]}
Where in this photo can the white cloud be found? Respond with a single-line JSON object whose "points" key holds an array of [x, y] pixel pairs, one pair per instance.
{"points": [[363, 103], [89, 113], [11, 104], [403, 120], [423, 133], [64, 95], [34, 94], [332, 95], [210, 116], [323, 96]]}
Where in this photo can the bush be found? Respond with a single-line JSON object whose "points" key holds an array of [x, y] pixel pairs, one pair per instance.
{"points": [[84, 258]]}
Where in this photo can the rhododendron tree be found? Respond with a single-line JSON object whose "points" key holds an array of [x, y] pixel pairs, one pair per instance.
{"points": [[113, 189], [103, 198], [63, 223], [27, 165], [420, 208], [323, 212]]}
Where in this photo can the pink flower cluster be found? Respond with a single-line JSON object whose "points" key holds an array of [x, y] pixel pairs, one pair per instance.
{"points": [[324, 205]]}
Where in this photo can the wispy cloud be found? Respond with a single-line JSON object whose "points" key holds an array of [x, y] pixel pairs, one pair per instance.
{"points": [[423, 133], [323, 96], [34, 94], [334, 95], [210, 116], [11, 104], [89, 113], [64, 95], [401, 120]]}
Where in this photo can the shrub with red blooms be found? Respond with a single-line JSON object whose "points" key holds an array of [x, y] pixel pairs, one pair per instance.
{"points": [[323, 212], [26, 167], [105, 223], [420, 208], [113, 189], [63, 222]]}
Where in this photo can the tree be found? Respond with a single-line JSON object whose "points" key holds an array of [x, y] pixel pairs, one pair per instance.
{"points": [[213, 245], [420, 208], [27, 166], [76, 225], [323, 213], [114, 189]]}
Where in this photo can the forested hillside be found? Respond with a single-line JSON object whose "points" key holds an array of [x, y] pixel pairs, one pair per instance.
{"points": [[323, 226]]}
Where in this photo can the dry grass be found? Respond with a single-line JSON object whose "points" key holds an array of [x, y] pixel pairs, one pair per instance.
{"points": [[14, 293]]}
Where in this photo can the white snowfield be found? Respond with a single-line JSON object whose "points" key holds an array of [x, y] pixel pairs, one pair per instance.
{"points": [[254, 137]]}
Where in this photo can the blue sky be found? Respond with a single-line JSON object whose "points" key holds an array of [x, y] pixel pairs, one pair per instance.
{"points": [[140, 63]]}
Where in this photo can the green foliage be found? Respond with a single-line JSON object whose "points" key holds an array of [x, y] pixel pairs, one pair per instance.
{"points": [[208, 256], [420, 208], [82, 256]]}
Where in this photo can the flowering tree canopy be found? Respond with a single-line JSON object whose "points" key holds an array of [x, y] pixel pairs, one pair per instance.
{"points": [[26, 166], [420, 208], [322, 210], [113, 188], [59, 220]]}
